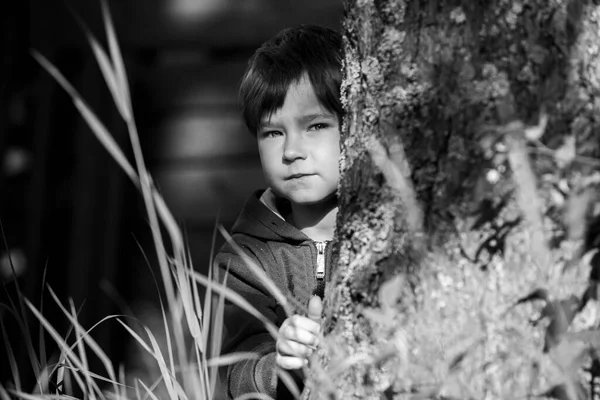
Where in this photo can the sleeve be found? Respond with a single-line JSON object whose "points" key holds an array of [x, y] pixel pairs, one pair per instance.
{"points": [[245, 333]]}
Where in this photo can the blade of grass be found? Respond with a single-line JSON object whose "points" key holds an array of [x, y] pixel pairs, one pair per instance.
{"points": [[27, 396], [289, 382], [95, 125], [42, 382], [183, 282], [41, 338], [152, 388], [238, 300], [202, 342], [157, 355], [62, 357], [108, 142], [167, 280], [117, 58], [94, 375], [106, 68], [145, 184], [138, 395], [122, 391], [202, 381], [149, 392], [22, 319], [83, 336], [66, 367], [232, 358], [162, 309], [79, 343], [67, 383], [168, 377], [11, 358], [61, 370], [206, 314], [60, 342], [217, 335], [109, 75], [168, 221], [4, 394]]}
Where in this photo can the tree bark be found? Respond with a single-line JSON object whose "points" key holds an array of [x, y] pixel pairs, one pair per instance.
{"points": [[490, 114]]}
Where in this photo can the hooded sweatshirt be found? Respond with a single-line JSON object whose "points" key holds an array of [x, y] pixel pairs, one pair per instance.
{"points": [[295, 263]]}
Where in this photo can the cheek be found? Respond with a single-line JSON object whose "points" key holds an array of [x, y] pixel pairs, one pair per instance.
{"points": [[330, 160], [268, 162]]}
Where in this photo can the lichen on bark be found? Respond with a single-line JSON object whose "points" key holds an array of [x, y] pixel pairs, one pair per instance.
{"points": [[448, 77]]}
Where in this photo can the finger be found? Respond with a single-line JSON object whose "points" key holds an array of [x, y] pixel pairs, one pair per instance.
{"points": [[297, 334], [315, 308], [287, 362], [294, 349], [303, 323]]}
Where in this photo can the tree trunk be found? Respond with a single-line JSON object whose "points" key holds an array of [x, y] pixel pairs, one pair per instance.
{"points": [[445, 255]]}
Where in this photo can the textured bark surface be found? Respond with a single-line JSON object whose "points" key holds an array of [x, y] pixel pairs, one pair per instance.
{"points": [[461, 86]]}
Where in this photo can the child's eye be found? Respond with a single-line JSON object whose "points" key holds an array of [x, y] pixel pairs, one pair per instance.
{"points": [[270, 134], [317, 127]]}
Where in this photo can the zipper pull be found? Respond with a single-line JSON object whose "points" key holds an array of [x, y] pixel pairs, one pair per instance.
{"points": [[320, 272]]}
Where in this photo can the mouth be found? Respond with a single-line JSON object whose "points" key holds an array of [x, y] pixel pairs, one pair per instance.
{"points": [[297, 176]]}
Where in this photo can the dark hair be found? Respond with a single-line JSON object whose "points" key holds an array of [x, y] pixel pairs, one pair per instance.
{"points": [[282, 61]]}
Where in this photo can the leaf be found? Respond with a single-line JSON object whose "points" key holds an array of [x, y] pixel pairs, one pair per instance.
{"points": [[592, 258], [377, 316], [493, 245], [390, 291], [592, 237], [562, 392], [537, 131], [537, 294], [561, 314], [589, 337], [461, 350], [527, 196], [487, 212], [576, 213], [571, 355], [457, 360], [558, 197], [565, 154]]}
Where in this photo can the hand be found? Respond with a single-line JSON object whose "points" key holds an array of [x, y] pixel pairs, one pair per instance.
{"points": [[298, 336]]}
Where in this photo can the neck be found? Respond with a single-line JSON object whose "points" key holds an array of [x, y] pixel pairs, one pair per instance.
{"points": [[317, 221]]}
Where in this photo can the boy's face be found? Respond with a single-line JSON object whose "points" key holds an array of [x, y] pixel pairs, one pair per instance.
{"points": [[299, 147]]}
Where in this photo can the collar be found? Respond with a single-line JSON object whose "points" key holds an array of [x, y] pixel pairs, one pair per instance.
{"points": [[273, 202]]}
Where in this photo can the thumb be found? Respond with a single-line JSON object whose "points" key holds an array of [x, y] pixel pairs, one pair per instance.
{"points": [[315, 308]]}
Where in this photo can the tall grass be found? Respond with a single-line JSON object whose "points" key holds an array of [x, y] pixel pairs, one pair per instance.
{"points": [[183, 374]]}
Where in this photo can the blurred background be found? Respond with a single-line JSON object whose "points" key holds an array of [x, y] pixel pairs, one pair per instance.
{"points": [[67, 210]]}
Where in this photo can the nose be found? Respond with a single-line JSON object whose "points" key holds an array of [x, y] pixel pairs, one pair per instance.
{"points": [[294, 148]]}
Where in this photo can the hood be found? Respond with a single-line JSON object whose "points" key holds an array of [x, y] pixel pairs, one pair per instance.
{"points": [[263, 218]]}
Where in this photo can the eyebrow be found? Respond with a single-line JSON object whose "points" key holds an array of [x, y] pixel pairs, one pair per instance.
{"points": [[310, 117]]}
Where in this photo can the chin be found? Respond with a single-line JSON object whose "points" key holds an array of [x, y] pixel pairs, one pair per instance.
{"points": [[307, 199]]}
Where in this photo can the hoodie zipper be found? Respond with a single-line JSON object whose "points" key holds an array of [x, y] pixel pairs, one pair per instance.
{"points": [[320, 271]]}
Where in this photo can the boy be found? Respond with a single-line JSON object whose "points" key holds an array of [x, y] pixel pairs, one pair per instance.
{"points": [[290, 95]]}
